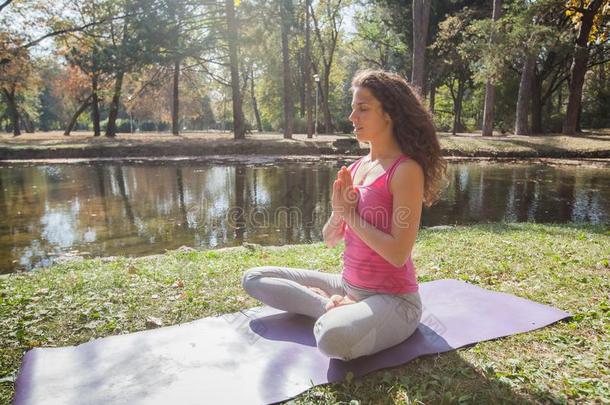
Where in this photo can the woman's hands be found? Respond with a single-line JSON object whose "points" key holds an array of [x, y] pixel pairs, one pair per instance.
{"points": [[335, 300], [344, 199], [345, 196], [339, 300]]}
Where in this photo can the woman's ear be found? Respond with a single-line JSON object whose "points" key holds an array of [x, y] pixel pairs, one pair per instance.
{"points": [[387, 117]]}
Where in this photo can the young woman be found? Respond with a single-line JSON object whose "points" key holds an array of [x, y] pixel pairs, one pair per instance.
{"points": [[376, 208]]}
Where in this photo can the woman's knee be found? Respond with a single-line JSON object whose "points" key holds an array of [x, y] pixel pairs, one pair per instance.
{"points": [[332, 342], [341, 342], [251, 275]]}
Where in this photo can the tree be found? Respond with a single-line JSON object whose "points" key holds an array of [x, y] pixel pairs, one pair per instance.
{"points": [[539, 30], [16, 77], [287, 79], [421, 17], [131, 42], [376, 43], [308, 76], [552, 68], [525, 94], [490, 90], [535, 42], [186, 34], [596, 98], [327, 24], [74, 88], [52, 109], [453, 65], [585, 13], [239, 128], [32, 17]]}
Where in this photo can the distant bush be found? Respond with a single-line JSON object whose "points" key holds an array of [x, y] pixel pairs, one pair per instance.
{"points": [[123, 126], [267, 127], [150, 126], [299, 125], [554, 123], [345, 126]]}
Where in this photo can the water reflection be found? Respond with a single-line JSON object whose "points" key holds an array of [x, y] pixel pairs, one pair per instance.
{"points": [[143, 208]]}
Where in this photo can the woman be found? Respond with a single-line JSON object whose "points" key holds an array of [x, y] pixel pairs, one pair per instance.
{"points": [[376, 207]]}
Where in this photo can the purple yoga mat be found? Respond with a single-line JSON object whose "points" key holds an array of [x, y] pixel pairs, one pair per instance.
{"points": [[260, 355]]}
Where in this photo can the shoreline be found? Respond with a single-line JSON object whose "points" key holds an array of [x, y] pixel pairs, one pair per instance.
{"points": [[53, 145], [310, 159], [81, 257]]}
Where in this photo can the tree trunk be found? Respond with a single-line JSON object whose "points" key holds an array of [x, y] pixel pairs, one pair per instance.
{"points": [[176, 99], [525, 93], [536, 105], [577, 79], [257, 114], [288, 101], [457, 108], [432, 96], [549, 108], [328, 122], [490, 89], [488, 109], [113, 111], [95, 106], [239, 129], [13, 111], [77, 114], [421, 18], [328, 52], [308, 77], [579, 68], [301, 84], [28, 124]]}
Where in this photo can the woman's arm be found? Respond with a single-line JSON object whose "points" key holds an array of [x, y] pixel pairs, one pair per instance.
{"points": [[407, 188], [333, 230]]}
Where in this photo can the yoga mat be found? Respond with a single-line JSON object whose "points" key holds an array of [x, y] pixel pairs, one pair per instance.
{"points": [[260, 355]]}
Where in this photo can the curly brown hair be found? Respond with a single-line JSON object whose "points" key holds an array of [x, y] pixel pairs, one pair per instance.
{"points": [[412, 124]]}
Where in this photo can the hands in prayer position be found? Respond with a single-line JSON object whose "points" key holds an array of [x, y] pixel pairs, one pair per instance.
{"points": [[344, 196]]}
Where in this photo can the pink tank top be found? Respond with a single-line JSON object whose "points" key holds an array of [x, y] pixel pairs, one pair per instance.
{"points": [[362, 266]]}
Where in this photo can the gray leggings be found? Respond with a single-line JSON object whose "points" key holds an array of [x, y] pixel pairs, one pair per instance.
{"points": [[375, 322]]}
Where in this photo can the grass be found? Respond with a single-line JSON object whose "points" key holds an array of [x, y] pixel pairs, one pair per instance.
{"points": [[559, 265], [552, 145]]}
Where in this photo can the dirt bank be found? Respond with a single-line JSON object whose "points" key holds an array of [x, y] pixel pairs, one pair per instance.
{"points": [[53, 145]]}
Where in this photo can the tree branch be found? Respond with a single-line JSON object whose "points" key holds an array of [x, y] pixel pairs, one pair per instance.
{"points": [[66, 31], [148, 83], [6, 3], [318, 34]]}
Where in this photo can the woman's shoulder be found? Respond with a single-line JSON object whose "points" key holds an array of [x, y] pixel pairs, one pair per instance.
{"points": [[407, 171]]}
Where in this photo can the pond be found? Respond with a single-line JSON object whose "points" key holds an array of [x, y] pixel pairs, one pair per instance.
{"points": [[139, 208]]}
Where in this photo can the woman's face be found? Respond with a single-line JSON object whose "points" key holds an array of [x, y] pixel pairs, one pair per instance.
{"points": [[368, 117]]}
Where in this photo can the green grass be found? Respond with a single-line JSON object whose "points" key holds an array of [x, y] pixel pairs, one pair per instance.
{"points": [[563, 266]]}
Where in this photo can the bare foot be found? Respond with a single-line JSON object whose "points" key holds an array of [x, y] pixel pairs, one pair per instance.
{"points": [[319, 291], [339, 300]]}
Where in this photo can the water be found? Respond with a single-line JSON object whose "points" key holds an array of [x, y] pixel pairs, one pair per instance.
{"points": [[140, 208]]}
